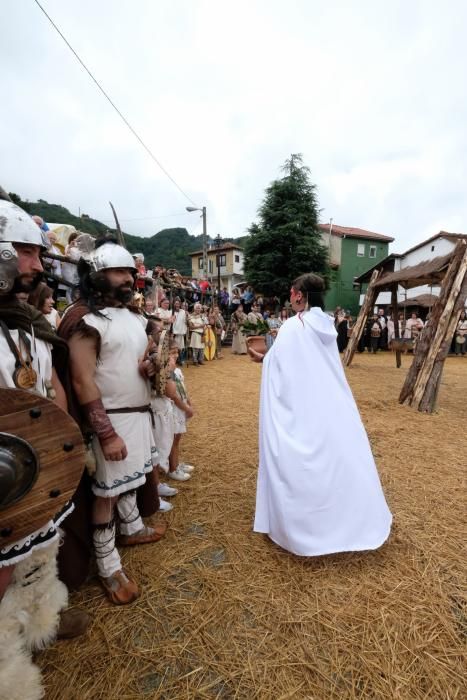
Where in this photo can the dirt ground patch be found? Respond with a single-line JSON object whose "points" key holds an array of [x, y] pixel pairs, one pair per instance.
{"points": [[227, 614]]}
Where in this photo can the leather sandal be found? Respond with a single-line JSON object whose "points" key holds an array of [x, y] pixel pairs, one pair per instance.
{"points": [[145, 535], [73, 623], [120, 589]]}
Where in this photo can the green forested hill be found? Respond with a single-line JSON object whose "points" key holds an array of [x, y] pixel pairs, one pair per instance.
{"points": [[170, 247]]}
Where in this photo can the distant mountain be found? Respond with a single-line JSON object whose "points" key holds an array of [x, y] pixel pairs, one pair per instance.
{"points": [[170, 247]]}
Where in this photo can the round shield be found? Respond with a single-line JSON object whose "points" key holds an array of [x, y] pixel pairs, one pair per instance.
{"points": [[42, 458]]}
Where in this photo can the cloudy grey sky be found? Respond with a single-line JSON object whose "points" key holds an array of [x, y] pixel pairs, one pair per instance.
{"points": [[372, 92]]}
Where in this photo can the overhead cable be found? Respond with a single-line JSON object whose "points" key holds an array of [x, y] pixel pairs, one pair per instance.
{"points": [[133, 131]]}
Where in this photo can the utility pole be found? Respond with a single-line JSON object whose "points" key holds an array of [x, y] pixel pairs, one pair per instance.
{"points": [[205, 238], [205, 244]]}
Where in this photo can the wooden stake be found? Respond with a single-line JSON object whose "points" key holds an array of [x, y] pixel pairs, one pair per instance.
{"points": [[430, 396], [395, 317], [359, 327], [430, 340]]}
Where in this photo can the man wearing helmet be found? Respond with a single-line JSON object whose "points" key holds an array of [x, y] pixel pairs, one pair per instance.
{"points": [[108, 342], [31, 596]]}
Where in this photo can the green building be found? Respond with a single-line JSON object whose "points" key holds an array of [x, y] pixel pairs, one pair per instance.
{"points": [[352, 251]]}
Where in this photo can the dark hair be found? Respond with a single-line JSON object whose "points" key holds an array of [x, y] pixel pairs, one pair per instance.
{"points": [[107, 237], [312, 287], [39, 295], [96, 290], [73, 236]]}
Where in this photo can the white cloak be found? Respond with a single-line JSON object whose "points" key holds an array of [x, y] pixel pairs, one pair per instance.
{"points": [[318, 488]]}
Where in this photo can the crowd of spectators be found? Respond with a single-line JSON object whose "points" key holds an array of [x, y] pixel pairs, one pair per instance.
{"points": [[379, 332]]}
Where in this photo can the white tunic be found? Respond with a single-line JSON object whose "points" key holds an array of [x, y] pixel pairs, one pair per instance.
{"points": [[318, 487], [42, 362], [179, 328], [196, 340], [162, 408], [123, 343]]}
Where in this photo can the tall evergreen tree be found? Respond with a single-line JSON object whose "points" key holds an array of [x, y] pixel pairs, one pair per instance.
{"points": [[286, 242]]}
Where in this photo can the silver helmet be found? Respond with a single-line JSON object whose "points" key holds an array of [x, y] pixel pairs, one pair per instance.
{"points": [[16, 226], [110, 255], [8, 267]]}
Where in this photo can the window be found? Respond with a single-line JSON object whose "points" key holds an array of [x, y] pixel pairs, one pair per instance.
{"points": [[237, 258], [372, 251], [200, 263], [360, 250], [222, 260], [432, 248], [210, 266]]}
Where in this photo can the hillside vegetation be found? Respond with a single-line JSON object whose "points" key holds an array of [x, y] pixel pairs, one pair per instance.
{"points": [[170, 247]]}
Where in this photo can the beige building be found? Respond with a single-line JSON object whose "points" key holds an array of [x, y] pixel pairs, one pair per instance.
{"points": [[230, 262]]}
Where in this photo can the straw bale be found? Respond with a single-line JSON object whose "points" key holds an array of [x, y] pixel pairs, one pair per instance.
{"points": [[227, 614]]}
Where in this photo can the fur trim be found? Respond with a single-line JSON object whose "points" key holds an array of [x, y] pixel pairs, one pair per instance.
{"points": [[35, 597], [20, 679]]}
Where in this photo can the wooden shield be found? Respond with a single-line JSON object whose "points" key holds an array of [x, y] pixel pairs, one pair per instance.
{"points": [[42, 457], [209, 343]]}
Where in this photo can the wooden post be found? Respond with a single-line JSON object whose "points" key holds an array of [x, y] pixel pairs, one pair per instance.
{"points": [[395, 317], [429, 393], [359, 326], [431, 339], [430, 397]]}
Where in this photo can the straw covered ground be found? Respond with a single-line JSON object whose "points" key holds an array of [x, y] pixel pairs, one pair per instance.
{"points": [[227, 614]]}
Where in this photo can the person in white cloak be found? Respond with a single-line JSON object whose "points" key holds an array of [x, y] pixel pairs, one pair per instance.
{"points": [[318, 487]]}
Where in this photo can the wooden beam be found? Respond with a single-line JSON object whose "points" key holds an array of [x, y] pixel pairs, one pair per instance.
{"points": [[359, 327], [430, 397], [431, 338], [395, 317]]}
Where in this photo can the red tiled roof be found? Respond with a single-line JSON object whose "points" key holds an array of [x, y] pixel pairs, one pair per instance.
{"points": [[351, 232]]}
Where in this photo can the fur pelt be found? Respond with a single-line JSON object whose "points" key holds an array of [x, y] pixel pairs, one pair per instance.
{"points": [[29, 617]]}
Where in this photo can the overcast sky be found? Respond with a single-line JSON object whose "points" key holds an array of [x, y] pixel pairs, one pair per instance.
{"points": [[373, 93]]}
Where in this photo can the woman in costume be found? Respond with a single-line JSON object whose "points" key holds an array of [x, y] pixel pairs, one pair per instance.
{"points": [[42, 299], [255, 315], [179, 328], [237, 319], [197, 324], [318, 487]]}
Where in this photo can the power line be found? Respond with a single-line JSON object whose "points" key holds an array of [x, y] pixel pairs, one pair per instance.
{"points": [[147, 218], [146, 148]]}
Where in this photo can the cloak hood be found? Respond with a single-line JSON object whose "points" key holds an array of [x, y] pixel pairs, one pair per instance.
{"points": [[322, 324]]}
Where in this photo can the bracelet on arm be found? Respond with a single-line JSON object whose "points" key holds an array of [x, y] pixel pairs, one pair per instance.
{"points": [[99, 421]]}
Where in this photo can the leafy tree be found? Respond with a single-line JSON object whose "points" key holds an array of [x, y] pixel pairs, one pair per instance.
{"points": [[286, 241]]}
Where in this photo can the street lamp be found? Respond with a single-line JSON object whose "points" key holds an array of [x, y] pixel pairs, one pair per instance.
{"points": [[205, 241], [218, 244]]}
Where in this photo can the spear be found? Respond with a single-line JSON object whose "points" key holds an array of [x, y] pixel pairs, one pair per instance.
{"points": [[121, 238]]}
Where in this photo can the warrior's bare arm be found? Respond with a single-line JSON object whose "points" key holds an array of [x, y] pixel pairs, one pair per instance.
{"points": [[83, 369]]}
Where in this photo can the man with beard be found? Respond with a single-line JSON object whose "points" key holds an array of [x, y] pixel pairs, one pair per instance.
{"points": [[108, 343], [31, 596]]}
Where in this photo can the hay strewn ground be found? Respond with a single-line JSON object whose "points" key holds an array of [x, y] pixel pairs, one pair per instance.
{"points": [[227, 614]]}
